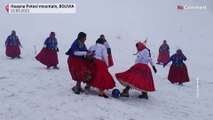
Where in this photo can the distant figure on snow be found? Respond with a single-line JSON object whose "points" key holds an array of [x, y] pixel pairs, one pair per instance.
{"points": [[178, 70], [109, 52], [12, 44], [139, 76], [48, 54], [164, 54]]}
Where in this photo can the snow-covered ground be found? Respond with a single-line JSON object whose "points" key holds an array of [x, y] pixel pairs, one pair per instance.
{"points": [[30, 92]]}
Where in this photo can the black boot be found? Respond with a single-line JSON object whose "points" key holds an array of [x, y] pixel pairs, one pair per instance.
{"points": [[48, 67], [125, 92], [144, 95], [180, 83], [103, 95], [55, 67], [76, 89]]}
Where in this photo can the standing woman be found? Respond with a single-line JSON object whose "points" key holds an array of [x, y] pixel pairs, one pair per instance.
{"points": [[109, 52], [139, 76], [102, 79], [77, 63], [12, 44], [178, 71], [48, 54], [164, 54]]}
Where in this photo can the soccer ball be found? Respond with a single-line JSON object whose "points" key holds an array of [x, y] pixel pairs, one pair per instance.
{"points": [[115, 93]]}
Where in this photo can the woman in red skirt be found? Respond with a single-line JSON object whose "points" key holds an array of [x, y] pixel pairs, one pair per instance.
{"points": [[78, 65], [164, 54], [139, 76], [48, 54], [12, 46], [178, 70], [102, 79]]}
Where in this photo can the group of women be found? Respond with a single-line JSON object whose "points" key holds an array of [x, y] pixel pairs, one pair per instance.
{"points": [[91, 65]]}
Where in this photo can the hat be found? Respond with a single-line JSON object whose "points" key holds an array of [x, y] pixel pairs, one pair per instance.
{"points": [[140, 46]]}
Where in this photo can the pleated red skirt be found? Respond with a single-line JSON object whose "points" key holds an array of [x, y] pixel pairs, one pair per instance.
{"points": [[110, 60], [48, 57], [138, 77], [79, 68], [13, 51], [102, 78], [178, 74], [163, 57]]}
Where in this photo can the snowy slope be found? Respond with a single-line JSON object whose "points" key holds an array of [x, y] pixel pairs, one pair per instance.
{"points": [[30, 92]]}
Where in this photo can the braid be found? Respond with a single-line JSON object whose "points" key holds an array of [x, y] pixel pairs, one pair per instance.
{"points": [[136, 53]]}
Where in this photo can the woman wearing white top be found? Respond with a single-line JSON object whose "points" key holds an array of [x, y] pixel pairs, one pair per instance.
{"points": [[109, 53], [102, 79], [139, 76]]}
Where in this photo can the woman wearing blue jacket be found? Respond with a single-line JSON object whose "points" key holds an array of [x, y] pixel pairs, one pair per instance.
{"points": [[178, 71], [48, 54], [12, 44]]}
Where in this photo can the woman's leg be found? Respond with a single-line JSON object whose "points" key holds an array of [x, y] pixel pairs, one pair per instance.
{"points": [[102, 94]]}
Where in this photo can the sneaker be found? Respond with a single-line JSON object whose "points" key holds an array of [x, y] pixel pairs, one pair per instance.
{"points": [[48, 67], [103, 95], [76, 90]]}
